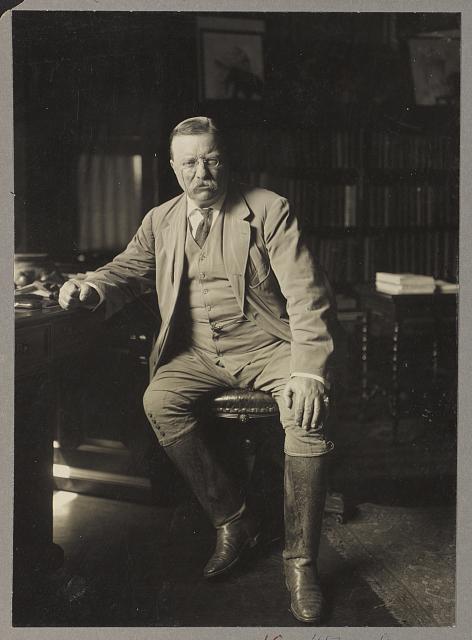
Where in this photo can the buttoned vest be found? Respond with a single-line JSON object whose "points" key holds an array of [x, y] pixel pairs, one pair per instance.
{"points": [[210, 315]]}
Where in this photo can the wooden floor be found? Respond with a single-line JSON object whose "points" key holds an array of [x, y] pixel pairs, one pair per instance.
{"points": [[392, 564], [138, 565]]}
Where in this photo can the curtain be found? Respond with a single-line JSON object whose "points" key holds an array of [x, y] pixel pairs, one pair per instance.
{"points": [[109, 200]]}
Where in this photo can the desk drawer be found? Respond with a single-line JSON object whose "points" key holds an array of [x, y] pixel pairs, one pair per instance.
{"points": [[31, 349], [72, 336]]}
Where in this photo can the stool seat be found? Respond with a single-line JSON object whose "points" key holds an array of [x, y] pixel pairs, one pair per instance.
{"points": [[244, 404]]}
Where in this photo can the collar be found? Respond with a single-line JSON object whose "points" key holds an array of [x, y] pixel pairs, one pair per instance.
{"points": [[216, 206]]}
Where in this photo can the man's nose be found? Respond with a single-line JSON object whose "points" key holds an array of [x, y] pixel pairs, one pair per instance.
{"points": [[202, 169]]}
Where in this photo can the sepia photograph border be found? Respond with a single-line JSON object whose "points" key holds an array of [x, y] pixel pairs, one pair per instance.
{"points": [[464, 493]]}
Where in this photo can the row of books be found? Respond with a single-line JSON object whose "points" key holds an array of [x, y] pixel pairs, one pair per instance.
{"points": [[337, 205], [341, 149], [338, 257], [299, 148], [348, 260], [432, 252], [410, 205], [401, 150], [411, 283], [317, 204]]}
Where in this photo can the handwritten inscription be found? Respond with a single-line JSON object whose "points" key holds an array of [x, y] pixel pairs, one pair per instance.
{"points": [[322, 636]]}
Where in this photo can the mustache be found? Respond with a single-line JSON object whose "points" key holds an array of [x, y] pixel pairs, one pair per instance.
{"points": [[208, 184]]}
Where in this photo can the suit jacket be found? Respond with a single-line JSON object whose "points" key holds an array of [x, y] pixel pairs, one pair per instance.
{"points": [[275, 278]]}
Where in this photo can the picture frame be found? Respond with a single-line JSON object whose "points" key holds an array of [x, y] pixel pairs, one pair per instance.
{"points": [[435, 67], [231, 60]]}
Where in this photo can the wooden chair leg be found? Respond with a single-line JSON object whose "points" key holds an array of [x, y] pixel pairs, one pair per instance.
{"points": [[336, 505]]}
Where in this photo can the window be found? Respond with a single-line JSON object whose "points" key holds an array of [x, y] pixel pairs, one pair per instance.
{"points": [[110, 199]]}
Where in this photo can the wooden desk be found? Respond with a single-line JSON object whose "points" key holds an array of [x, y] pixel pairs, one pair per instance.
{"points": [[411, 325], [49, 345]]}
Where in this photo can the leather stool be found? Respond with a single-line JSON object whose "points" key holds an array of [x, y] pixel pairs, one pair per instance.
{"points": [[247, 405]]}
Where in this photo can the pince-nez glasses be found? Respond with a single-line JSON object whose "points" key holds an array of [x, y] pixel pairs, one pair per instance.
{"points": [[192, 163]]}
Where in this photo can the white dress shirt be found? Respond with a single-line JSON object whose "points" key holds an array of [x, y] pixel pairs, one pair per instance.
{"points": [[195, 217]]}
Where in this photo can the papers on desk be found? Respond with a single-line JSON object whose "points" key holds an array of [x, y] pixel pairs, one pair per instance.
{"points": [[36, 295], [36, 288]]}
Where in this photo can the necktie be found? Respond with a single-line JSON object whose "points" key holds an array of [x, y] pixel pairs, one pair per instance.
{"points": [[204, 226]]}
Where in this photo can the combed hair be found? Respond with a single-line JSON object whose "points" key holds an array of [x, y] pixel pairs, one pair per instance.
{"points": [[195, 126]]}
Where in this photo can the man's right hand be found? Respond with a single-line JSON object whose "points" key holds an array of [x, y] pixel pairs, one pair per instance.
{"points": [[76, 293]]}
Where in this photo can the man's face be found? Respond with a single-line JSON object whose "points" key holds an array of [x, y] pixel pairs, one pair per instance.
{"points": [[200, 167]]}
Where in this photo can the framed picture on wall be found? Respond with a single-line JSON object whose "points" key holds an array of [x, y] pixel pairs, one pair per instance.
{"points": [[231, 59], [435, 65]]}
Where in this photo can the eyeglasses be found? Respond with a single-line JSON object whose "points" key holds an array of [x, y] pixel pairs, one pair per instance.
{"points": [[191, 163]]}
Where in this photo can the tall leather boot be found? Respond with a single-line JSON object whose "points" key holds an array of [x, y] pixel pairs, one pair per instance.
{"points": [[304, 499], [236, 527]]}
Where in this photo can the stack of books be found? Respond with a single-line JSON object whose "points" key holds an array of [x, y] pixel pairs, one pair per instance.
{"points": [[404, 283], [446, 287]]}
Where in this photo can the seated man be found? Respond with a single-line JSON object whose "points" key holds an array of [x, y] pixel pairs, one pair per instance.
{"points": [[243, 303]]}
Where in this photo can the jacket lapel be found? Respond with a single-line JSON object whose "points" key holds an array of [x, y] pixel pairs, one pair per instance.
{"points": [[236, 240]]}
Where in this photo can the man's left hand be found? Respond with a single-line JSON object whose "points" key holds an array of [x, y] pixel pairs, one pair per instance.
{"points": [[309, 400]]}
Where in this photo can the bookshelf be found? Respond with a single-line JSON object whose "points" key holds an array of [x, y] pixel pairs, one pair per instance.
{"points": [[370, 199], [411, 203]]}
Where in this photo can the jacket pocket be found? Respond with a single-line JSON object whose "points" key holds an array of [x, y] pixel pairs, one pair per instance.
{"points": [[258, 266]]}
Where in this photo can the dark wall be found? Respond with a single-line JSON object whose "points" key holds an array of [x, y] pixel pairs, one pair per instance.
{"points": [[85, 81]]}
